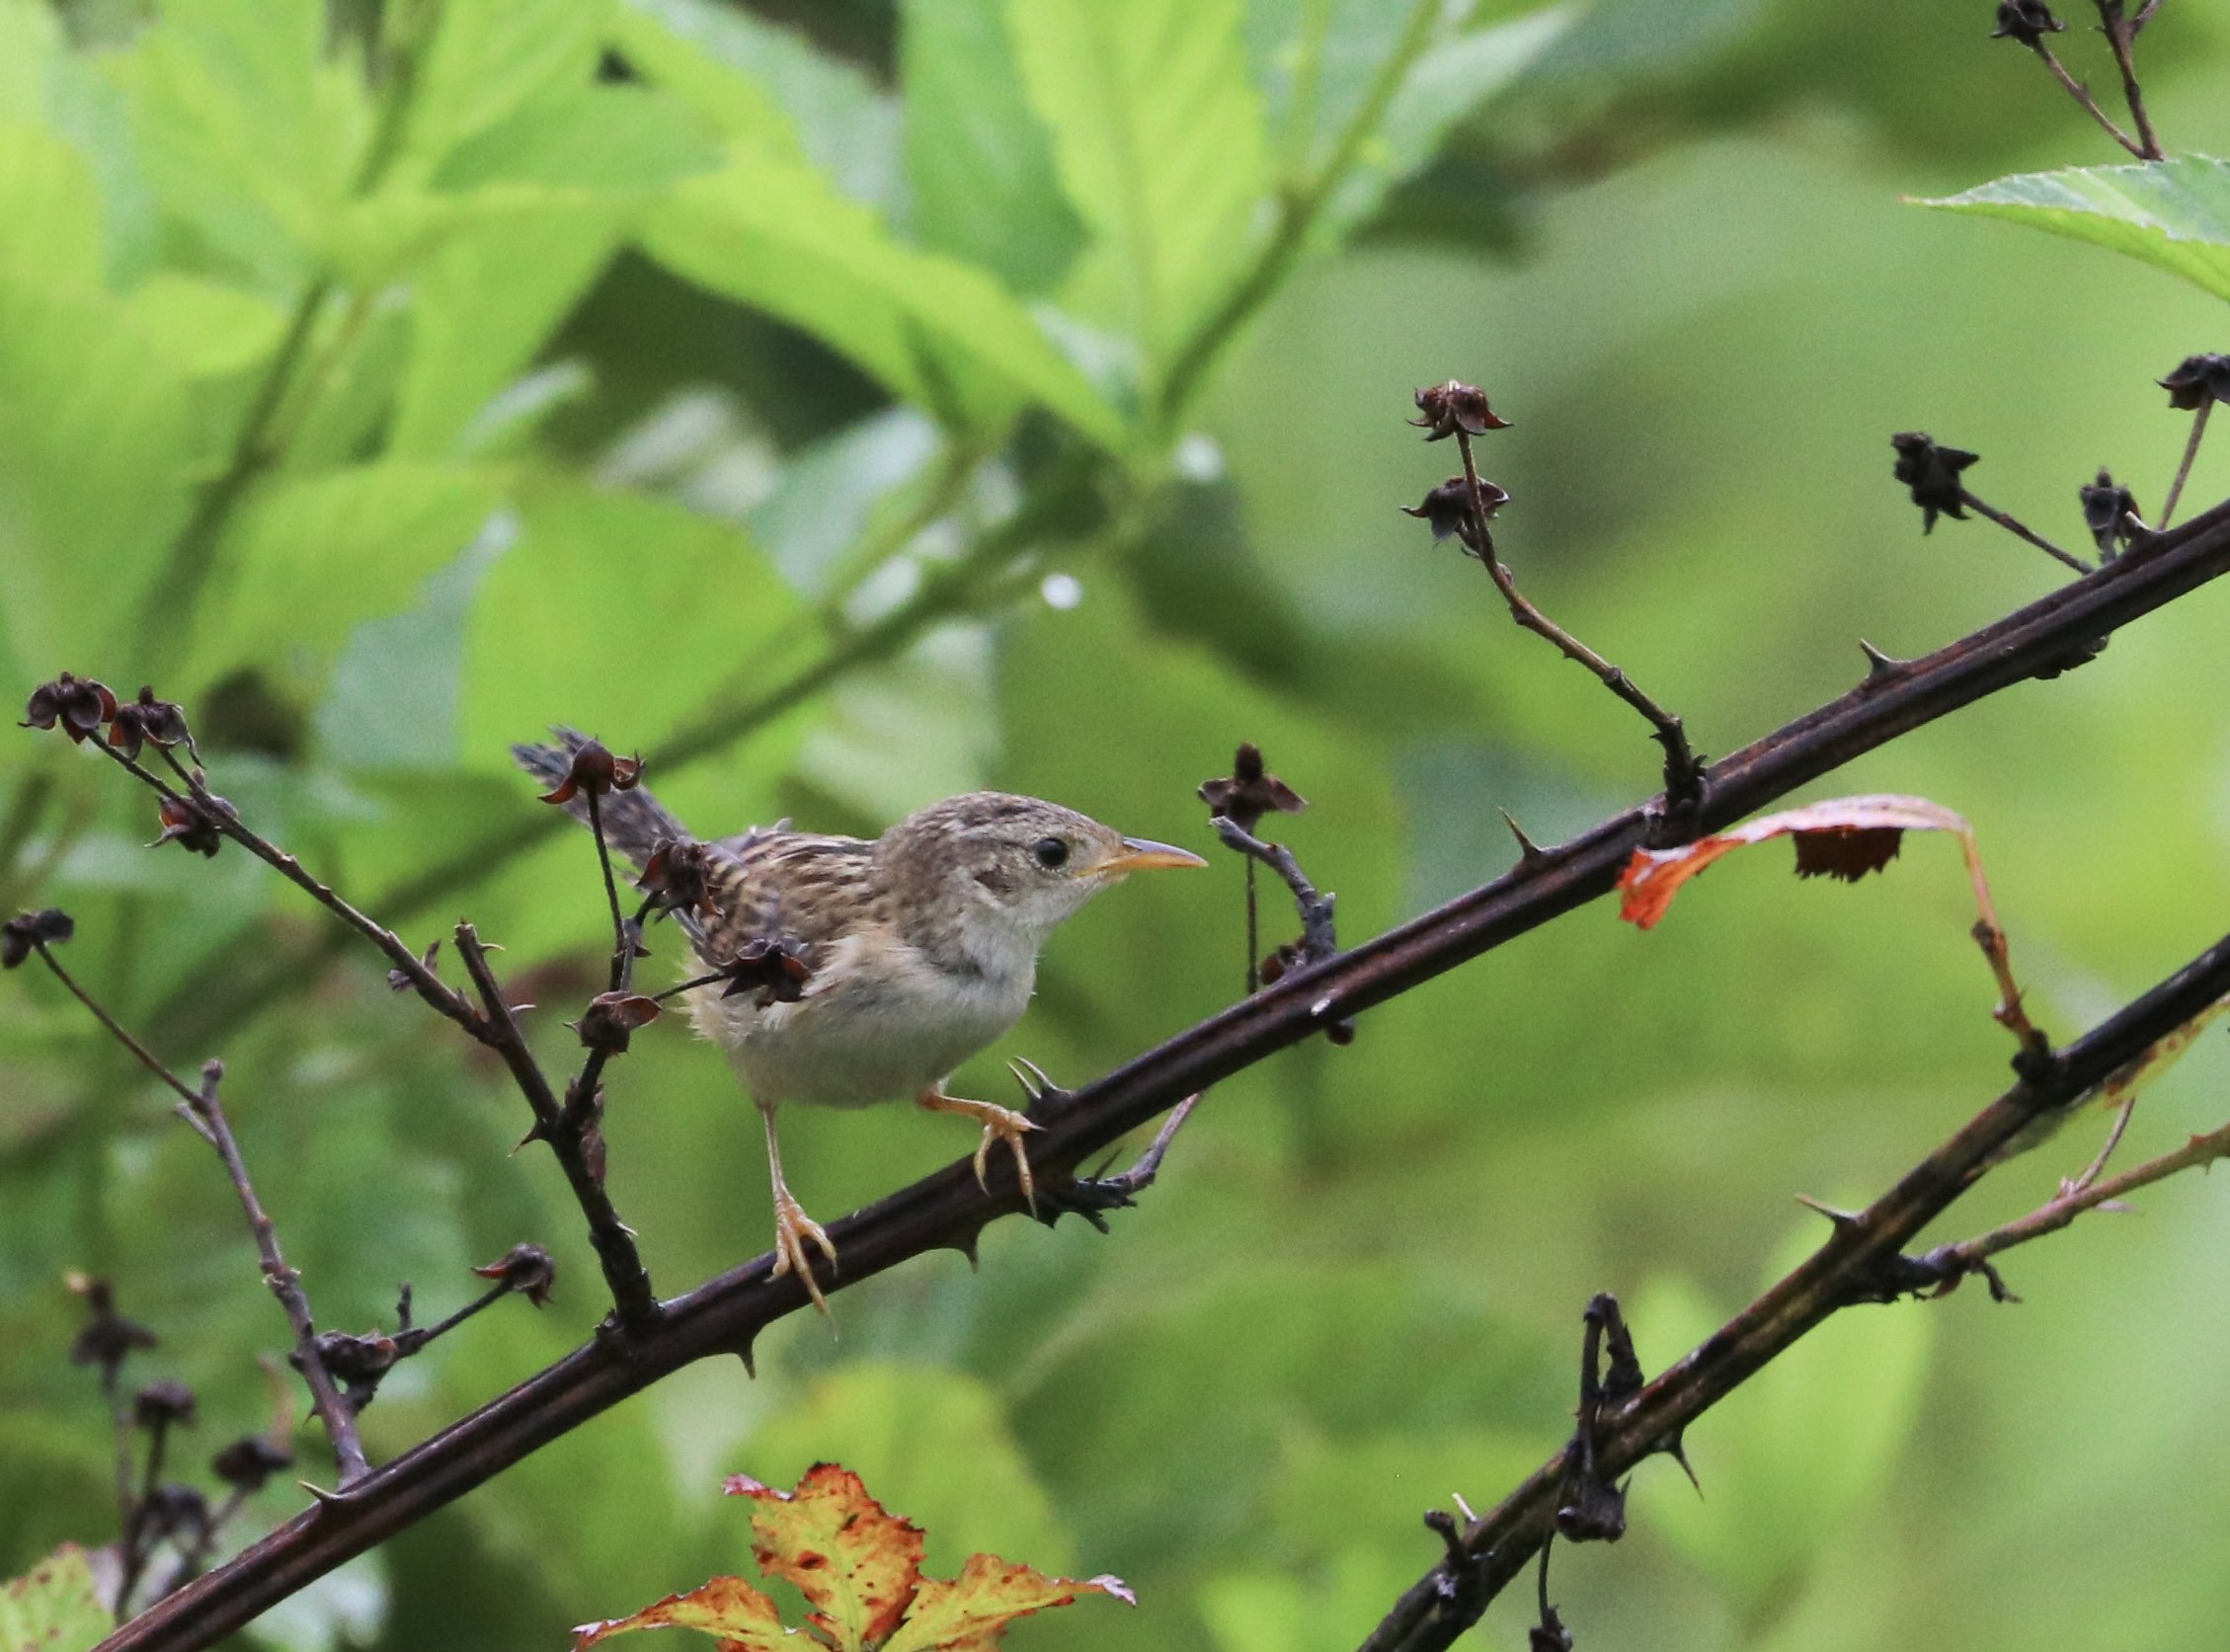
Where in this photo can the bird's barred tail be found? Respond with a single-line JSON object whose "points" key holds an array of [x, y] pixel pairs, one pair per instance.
{"points": [[635, 821]]}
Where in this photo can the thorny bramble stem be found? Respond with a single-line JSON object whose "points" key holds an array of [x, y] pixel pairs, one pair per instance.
{"points": [[207, 1114], [564, 1129], [2021, 530], [2184, 470], [1684, 775]]}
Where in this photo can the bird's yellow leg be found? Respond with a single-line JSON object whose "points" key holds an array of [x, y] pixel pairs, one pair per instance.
{"points": [[1000, 1124], [792, 1227]]}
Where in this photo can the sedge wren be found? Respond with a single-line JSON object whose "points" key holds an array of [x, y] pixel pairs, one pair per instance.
{"points": [[919, 949]]}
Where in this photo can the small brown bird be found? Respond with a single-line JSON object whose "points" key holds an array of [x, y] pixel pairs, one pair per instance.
{"points": [[920, 949]]}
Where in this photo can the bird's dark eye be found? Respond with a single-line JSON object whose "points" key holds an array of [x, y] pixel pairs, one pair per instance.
{"points": [[1052, 853]]}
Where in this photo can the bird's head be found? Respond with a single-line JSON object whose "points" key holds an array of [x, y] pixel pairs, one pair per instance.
{"points": [[1016, 864]]}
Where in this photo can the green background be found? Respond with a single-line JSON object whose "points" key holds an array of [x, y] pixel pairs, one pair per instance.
{"points": [[622, 400]]}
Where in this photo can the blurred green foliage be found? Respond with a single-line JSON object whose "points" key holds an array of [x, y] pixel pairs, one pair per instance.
{"points": [[871, 402]]}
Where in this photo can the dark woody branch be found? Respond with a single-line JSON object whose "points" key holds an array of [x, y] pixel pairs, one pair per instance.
{"points": [[946, 1210], [1861, 1262]]}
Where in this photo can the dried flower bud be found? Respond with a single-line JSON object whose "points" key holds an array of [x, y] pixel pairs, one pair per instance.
{"points": [[24, 933], [1282, 961], [148, 720], [595, 771], [1448, 508], [162, 1403], [1249, 792], [1455, 405], [354, 1361], [76, 705], [775, 968], [612, 1019], [2108, 510], [2026, 20], [107, 1338], [2196, 381], [1549, 1634], [677, 876], [526, 1268], [1933, 474], [194, 823], [249, 1462], [173, 1508]]}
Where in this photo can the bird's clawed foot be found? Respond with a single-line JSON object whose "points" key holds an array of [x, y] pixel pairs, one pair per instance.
{"points": [[792, 1228], [1000, 1124]]}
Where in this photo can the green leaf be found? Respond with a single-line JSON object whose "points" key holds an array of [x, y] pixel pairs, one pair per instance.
{"points": [[205, 329], [486, 302], [2172, 214], [744, 1619], [94, 442], [971, 1612], [614, 612], [55, 1606], [977, 158], [487, 62], [598, 137], [248, 136], [51, 206], [361, 538], [1158, 138], [1449, 83], [854, 1562], [730, 64], [943, 335]]}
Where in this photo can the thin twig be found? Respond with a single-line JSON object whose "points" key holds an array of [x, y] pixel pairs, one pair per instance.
{"points": [[414, 1339], [1320, 941], [2081, 94], [564, 1130], [2098, 1166], [2121, 36], [622, 942], [2184, 470], [225, 818], [284, 1281], [2021, 530], [117, 1031], [1684, 776]]}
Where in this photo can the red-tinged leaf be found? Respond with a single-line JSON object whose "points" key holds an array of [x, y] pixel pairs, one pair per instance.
{"points": [[744, 1619], [1844, 837], [856, 1563], [971, 1612]]}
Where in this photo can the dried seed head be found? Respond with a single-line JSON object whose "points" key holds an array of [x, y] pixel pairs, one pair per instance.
{"points": [[107, 1338], [595, 771], [1932, 472], [1448, 508], [1445, 409], [249, 1462], [76, 705], [677, 877], [2026, 20], [1249, 792], [151, 720], [194, 823], [24, 933], [2197, 380], [162, 1403], [2108, 510], [526, 1268], [611, 1018], [773, 967], [353, 1361]]}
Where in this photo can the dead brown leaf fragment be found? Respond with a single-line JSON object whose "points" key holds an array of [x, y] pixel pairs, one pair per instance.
{"points": [[1842, 837], [859, 1567]]}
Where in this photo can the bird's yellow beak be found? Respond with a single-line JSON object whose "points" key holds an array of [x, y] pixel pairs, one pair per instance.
{"points": [[1142, 854]]}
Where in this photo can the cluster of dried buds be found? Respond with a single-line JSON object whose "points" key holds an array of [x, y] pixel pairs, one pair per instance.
{"points": [[1458, 410], [80, 707], [27, 933]]}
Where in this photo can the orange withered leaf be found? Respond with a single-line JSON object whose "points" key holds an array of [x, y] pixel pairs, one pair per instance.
{"points": [[856, 1563], [744, 1619], [1844, 837], [971, 1612]]}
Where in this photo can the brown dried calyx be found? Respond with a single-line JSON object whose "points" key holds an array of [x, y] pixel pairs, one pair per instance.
{"points": [[595, 771], [1249, 792], [1443, 409]]}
